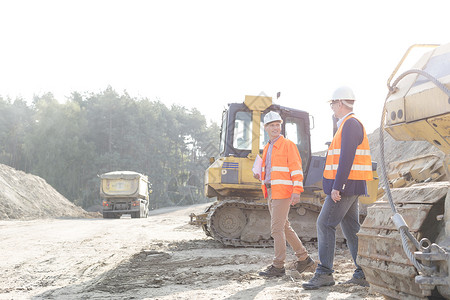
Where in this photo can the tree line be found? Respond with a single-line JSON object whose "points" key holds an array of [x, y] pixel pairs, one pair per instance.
{"points": [[69, 144]]}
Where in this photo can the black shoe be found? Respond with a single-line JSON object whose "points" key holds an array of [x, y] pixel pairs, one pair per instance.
{"points": [[302, 265], [318, 281], [271, 271], [357, 281]]}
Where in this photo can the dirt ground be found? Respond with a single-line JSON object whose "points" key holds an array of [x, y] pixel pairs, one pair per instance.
{"points": [[161, 257]]}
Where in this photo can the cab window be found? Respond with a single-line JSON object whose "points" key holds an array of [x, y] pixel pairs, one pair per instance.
{"points": [[296, 131], [242, 137]]}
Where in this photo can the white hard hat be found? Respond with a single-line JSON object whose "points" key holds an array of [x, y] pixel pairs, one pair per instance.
{"points": [[343, 93], [272, 116]]}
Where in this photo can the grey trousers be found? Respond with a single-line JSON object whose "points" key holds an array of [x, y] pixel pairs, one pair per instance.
{"points": [[346, 213]]}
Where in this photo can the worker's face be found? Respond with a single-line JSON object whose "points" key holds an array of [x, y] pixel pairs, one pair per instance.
{"points": [[336, 108], [273, 129]]}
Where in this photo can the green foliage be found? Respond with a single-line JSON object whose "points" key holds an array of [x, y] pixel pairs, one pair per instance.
{"points": [[15, 121], [69, 144]]}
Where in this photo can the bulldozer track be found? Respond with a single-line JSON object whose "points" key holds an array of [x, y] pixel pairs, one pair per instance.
{"points": [[213, 226]]}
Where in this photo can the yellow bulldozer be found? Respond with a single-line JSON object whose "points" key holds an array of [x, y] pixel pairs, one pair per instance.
{"points": [[404, 242], [240, 216]]}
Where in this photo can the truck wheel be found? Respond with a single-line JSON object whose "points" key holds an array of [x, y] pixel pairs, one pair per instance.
{"points": [[106, 215]]}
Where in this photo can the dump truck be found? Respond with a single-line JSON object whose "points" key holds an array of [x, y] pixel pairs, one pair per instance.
{"points": [[240, 216], [124, 193], [404, 242]]}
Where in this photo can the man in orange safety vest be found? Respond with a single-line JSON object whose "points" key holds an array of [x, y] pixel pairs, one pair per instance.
{"points": [[282, 183], [347, 168]]}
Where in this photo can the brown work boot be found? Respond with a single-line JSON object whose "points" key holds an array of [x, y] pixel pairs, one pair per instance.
{"points": [[357, 281], [302, 265], [319, 280], [271, 271]]}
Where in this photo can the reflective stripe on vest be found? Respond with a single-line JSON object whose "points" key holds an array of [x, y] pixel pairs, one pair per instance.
{"points": [[286, 182], [354, 167], [362, 164], [358, 152]]}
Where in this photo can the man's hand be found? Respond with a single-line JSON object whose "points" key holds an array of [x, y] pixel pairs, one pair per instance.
{"points": [[336, 196], [256, 176], [295, 198]]}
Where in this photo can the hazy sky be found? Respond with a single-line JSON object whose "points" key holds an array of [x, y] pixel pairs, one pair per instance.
{"points": [[206, 54]]}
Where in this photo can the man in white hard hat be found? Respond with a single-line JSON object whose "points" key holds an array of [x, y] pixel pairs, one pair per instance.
{"points": [[282, 183], [347, 167]]}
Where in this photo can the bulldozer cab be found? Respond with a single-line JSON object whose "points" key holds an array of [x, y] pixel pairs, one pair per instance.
{"points": [[239, 127], [242, 138]]}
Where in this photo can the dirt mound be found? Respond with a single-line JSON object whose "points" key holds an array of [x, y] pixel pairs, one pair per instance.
{"points": [[26, 196]]}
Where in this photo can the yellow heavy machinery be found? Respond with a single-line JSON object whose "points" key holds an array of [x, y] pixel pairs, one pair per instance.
{"points": [[240, 216], [404, 242]]}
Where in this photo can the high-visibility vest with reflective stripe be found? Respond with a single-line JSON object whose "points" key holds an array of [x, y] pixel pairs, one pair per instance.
{"points": [[362, 163], [286, 174]]}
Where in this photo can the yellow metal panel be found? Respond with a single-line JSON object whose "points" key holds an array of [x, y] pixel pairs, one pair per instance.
{"points": [[246, 166], [415, 131], [435, 130], [427, 100], [227, 189], [242, 186], [395, 110], [256, 124], [442, 126], [372, 190], [213, 174], [401, 132], [246, 181]]}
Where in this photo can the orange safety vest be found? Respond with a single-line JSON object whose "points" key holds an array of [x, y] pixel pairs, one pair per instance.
{"points": [[362, 163], [286, 174]]}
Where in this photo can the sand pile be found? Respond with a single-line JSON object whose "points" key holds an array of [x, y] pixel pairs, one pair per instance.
{"points": [[26, 196]]}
